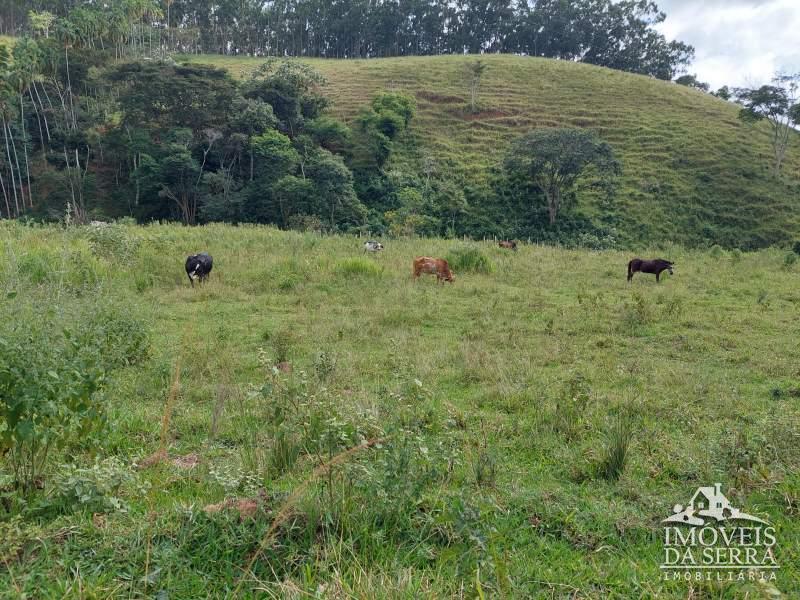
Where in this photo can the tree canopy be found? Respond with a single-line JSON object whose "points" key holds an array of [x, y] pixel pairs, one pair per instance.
{"points": [[611, 33], [778, 105], [554, 160]]}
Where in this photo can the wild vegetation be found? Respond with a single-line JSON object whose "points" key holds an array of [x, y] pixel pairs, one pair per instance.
{"points": [[311, 422], [100, 122]]}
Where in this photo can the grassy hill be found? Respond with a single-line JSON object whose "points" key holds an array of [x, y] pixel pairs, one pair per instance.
{"points": [[692, 172], [497, 407]]}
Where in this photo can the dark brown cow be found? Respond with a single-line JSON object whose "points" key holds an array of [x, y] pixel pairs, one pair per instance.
{"points": [[508, 244], [657, 266], [433, 266]]}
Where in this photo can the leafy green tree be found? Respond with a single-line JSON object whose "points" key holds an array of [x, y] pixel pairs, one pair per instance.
{"points": [[378, 125], [275, 153], [334, 192], [723, 93], [554, 160], [330, 133], [161, 95], [692, 82], [41, 21], [292, 88], [778, 105], [252, 117]]}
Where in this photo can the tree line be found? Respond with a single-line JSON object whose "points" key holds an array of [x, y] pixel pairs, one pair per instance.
{"points": [[87, 135], [616, 34]]}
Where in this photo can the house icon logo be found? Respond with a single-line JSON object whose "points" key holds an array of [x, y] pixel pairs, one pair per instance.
{"points": [[720, 544], [708, 502]]}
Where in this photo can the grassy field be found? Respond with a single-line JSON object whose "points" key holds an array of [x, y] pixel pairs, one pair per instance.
{"points": [[692, 170], [484, 419]]}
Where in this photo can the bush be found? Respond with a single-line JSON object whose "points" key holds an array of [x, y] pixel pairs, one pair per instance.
{"points": [[796, 247], [112, 241], [637, 312], [789, 260], [49, 382], [306, 223], [469, 259], [282, 343], [121, 338], [47, 397], [96, 488]]}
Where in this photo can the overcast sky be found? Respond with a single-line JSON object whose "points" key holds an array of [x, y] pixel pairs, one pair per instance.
{"points": [[737, 42]]}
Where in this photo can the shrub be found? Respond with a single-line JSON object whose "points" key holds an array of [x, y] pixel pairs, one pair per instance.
{"points": [[113, 241], [716, 251], [282, 343], [357, 268], [324, 364], [49, 379], [96, 488], [637, 312], [568, 416], [305, 223], [469, 259], [789, 260], [47, 397], [121, 338], [796, 247]]}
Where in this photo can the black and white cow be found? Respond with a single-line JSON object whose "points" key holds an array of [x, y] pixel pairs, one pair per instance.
{"points": [[198, 266], [372, 246]]}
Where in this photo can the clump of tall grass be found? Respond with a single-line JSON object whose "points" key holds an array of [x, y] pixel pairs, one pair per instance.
{"points": [[357, 268], [112, 241], [568, 416], [616, 449], [469, 259], [637, 312], [484, 468], [283, 341]]}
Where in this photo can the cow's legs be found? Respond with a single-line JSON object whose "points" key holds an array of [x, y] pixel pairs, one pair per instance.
{"points": [[658, 277]]}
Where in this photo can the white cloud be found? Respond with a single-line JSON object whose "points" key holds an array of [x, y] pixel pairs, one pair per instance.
{"points": [[737, 42]]}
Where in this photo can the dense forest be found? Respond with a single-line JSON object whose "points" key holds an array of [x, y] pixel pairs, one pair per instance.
{"points": [[619, 35], [100, 122]]}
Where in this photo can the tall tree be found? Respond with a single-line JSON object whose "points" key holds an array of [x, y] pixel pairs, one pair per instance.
{"points": [[555, 159], [777, 104]]}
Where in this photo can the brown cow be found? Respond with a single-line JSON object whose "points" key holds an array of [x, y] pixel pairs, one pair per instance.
{"points": [[434, 266], [508, 244]]}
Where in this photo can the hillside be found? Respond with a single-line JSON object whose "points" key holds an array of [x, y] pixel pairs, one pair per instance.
{"points": [[692, 172], [500, 403]]}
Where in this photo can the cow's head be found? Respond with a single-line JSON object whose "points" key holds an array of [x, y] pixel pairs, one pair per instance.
{"points": [[451, 277]]}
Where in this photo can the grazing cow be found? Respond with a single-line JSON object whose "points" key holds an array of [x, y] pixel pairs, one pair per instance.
{"points": [[433, 266], [198, 266], [372, 246], [657, 266], [508, 244]]}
